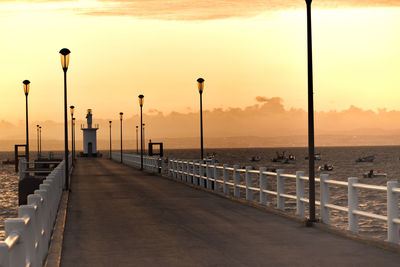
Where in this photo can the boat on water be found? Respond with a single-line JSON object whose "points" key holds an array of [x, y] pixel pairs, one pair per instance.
{"points": [[374, 173], [8, 162], [369, 158], [282, 158], [326, 167], [255, 158], [317, 156]]}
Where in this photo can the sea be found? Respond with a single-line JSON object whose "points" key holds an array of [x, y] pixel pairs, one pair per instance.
{"points": [[343, 159]]}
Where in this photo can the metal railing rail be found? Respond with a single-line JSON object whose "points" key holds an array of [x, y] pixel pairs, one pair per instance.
{"points": [[28, 236]]}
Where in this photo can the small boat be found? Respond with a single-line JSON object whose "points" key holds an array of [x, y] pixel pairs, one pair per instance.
{"points": [[374, 173], [326, 167], [282, 158], [317, 156], [8, 161], [369, 158], [255, 158]]}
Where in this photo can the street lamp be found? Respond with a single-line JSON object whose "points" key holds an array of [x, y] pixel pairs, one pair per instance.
{"points": [[141, 100], [311, 163], [109, 123], [64, 54], [137, 140], [200, 84], [72, 108], [26, 84], [37, 135], [73, 140], [40, 141], [121, 115], [144, 139]]}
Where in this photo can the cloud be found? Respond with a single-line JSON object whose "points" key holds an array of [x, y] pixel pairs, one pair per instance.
{"points": [[218, 9], [199, 9]]}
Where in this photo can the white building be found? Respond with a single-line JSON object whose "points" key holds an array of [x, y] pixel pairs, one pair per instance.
{"points": [[89, 137]]}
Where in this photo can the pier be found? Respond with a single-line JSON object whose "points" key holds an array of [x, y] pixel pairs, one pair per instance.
{"points": [[120, 216]]}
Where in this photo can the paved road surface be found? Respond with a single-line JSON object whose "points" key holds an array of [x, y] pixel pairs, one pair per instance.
{"points": [[119, 216]]}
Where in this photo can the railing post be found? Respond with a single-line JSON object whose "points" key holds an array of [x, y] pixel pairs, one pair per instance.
{"points": [[280, 189], [216, 177], [324, 197], [162, 166], [17, 255], [300, 205], [263, 186], [28, 211], [249, 193], [169, 168], [209, 175], [236, 181], [22, 169], [187, 168], [353, 205], [174, 163], [201, 174], [392, 212], [196, 172], [225, 187]]}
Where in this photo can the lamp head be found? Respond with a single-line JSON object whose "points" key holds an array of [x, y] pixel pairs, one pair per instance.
{"points": [[121, 115], [72, 110], [64, 54], [26, 86], [109, 123], [200, 84], [141, 100]]}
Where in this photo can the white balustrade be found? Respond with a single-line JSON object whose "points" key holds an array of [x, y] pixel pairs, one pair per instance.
{"points": [[28, 236]]}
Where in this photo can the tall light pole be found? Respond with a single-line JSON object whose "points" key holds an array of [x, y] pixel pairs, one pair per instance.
{"points": [[144, 139], [137, 140], [40, 141], [109, 124], [121, 115], [64, 54], [37, 134], [141, 100], [73, 139], [311, 167], [72, 108], [200, 84], [26, 84]]}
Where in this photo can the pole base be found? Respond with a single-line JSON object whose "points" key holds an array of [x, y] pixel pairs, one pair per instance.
{"points": [[309, 222]]}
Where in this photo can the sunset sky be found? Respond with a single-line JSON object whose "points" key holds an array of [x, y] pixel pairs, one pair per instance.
{"points": [[243, 49]]}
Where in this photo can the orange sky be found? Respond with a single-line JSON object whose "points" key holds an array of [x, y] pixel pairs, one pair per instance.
{"points": [[123, 48]]}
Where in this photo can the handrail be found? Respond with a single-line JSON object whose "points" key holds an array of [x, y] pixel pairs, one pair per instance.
{"points": [[28, 236]]}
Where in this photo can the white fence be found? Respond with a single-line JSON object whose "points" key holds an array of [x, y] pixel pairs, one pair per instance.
{"points": [[233, 180], [28, 236], [153, 164]]}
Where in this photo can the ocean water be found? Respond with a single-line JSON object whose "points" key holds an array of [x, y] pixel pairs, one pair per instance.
{"points": [[342, 158]]}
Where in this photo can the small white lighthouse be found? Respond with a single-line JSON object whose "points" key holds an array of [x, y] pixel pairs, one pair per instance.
{"points": [[89, 137]]}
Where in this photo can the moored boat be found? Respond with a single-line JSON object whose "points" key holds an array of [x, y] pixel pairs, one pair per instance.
{"points": [[374, 173]]}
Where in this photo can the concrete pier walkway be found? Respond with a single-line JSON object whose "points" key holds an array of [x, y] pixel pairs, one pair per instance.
{"points": [[119, 216]]}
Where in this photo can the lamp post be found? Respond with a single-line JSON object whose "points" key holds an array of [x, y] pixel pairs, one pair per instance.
{"points": [[311, 163], [109, 124], [144, 140], [137, 140], [121, 114], [40, 141], [72, 108], [37, 135], [200, 84], [26, 84], [64, 54], [141, 100], [73, 139]]}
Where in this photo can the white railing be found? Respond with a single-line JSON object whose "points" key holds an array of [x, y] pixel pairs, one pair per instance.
{"points": [[153, 164], [28, 235], [233, 180]]}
